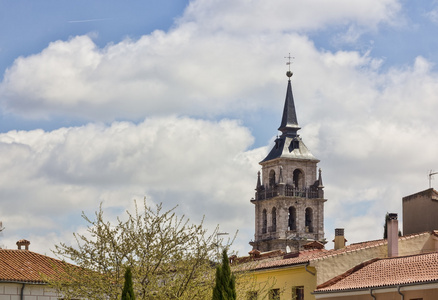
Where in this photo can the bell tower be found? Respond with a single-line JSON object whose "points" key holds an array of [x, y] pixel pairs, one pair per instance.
{"points": [[289, 198]]}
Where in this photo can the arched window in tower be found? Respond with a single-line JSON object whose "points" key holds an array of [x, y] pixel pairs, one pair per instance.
{"points": [[271, 178], [274, 220], [298, 178], [309, 220], [265, 221], [292, 221]]}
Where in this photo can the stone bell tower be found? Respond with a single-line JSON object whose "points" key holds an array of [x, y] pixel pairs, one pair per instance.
{"points": [[289, 198]]}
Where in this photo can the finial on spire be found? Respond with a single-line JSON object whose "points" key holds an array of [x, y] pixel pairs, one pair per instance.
{"points": [[289, 73]]}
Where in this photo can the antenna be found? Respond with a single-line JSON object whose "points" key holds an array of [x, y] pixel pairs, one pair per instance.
{"points": [[1, 232], [431, 173], [217, 240]]}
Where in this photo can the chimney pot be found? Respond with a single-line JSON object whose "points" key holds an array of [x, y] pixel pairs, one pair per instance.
{"points": [[24, 243], [339, 232], [339, 238]]}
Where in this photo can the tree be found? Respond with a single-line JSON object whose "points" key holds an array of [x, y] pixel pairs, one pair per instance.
{"points": [[128, 290], [169, 258], [225, 288]]}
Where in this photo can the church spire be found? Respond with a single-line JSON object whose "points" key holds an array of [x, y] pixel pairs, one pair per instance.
{"points": [[289, 197], [289, 144], [289, 123]]}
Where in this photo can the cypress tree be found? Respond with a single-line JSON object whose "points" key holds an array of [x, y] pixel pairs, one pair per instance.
{"points": [[128, 290], [225, 288]]}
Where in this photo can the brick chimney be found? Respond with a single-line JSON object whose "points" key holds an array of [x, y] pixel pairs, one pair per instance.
{"points": [[339, 238], [24, 243], [392, 234]]}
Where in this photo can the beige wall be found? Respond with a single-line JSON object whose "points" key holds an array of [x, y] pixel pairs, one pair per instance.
{"points": [[12, 291]]}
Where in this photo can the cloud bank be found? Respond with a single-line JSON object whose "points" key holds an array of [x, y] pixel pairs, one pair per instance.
{"points": [[373, 129]]}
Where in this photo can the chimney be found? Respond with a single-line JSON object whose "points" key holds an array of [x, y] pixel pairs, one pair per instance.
{"points": [[24, 243], [339, 238], [392, 234]]}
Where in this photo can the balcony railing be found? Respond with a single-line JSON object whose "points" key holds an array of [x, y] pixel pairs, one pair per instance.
{"points": [[288, 191]]}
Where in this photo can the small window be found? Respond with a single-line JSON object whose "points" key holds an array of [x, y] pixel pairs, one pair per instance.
{"points": [[298, 293], [274, 294], [252, 295]]}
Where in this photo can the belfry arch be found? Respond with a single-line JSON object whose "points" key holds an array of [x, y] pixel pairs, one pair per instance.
{"points": [[265, 221], [292, 219], [271, 178], [309, 220], [298, 178], [274, 219]]}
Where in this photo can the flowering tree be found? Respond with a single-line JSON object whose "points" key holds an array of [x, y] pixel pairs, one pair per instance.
{"points": [[169, 257]]}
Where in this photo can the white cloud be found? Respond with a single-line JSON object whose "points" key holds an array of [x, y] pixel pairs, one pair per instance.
{"points": [[217, 59], [373, 130], [243, 17], [199, 165], [432, 15]]}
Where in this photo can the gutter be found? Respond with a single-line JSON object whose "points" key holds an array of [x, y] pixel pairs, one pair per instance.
{"points": [[22, 291], [24, 282], [371, 293], [398, 290], [305, 266], [376, 288], [280, 267]]}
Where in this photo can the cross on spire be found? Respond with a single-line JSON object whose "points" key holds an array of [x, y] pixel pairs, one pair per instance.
{"points": [[289, 73]]}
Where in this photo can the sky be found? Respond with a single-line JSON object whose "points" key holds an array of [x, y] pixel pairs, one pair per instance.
{"points": [[104, 102]]}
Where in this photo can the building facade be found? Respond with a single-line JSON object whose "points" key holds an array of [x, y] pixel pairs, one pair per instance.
{"points": [[292, 273], [289, 198], [420, 212]]}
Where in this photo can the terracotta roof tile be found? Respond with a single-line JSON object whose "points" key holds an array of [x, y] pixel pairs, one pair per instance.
{"points": [[26, 266], [386, 272], [319, 254]]}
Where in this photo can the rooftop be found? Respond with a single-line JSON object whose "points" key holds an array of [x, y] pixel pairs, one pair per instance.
{"points": [[26, 266], [307, 256], [385, 272]]}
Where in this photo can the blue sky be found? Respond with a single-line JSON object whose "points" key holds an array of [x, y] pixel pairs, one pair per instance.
{"points": [[178, 101]]}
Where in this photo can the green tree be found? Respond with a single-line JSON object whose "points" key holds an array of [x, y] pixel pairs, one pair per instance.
{"points": [[225, 288], [169, 257], [128, 290]]}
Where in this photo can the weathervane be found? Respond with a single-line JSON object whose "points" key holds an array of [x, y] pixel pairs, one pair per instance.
{"points": [[289, 73]]}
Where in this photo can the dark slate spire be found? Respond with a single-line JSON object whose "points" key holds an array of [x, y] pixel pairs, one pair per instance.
{"points": [[289, 144], [289, 123]]}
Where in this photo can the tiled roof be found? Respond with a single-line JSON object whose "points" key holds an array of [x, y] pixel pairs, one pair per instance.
{"points": [[27, 266], [383, 272], [318, 254], [282, 261]]}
